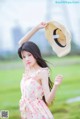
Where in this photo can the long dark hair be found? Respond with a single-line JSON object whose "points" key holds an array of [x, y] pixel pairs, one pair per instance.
{"points": [[34, 50]]}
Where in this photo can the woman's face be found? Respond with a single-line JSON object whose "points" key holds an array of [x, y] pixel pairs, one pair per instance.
{"points": [[28, 59]]}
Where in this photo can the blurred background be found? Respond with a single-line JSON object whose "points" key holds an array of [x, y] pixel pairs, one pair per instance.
{"points": [[17, 17]]}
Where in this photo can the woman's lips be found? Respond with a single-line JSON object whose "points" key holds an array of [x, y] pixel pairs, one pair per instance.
{"points": [[28, 62]]}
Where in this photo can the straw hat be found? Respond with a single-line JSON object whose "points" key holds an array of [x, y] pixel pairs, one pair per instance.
{"points": [[58, 37]]}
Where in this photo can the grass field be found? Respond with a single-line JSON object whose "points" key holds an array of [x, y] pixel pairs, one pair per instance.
{"points": [[69, 67]]}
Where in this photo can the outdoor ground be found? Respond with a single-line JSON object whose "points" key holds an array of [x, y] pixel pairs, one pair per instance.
{"points": [[69, 67]]}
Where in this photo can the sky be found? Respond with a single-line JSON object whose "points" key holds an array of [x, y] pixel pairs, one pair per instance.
{"points": [[28, 13], [24, 13]]}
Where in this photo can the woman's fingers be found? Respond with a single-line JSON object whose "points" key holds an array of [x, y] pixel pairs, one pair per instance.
{"points": [[43, 23], [58, 79]]}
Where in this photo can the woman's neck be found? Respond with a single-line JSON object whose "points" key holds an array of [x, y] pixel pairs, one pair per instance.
{"points": [[33, 68]]}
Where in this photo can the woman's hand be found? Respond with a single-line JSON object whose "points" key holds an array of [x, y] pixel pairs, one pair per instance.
{"points": [[41, 25], [58, 80]]}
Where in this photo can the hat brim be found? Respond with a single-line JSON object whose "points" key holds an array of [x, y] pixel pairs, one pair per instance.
{"points": [[59, 37]]}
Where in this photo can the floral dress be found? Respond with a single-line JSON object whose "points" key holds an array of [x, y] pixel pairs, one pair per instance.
{"points": [[31, 104]]}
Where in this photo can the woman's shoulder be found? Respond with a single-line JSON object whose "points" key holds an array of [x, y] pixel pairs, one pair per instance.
{"points": [[44, 71]]}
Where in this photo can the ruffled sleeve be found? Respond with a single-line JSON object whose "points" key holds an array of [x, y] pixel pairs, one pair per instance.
{"points": [[48, 71], [43, 70]]}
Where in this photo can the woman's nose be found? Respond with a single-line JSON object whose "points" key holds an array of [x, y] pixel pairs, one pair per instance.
{"points": [[27, 58]]}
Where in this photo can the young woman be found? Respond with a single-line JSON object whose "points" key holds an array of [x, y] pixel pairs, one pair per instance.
{"points": [[36, 87]]}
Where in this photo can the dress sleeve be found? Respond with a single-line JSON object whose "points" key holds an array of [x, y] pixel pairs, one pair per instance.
{"points": [[45, 83]]}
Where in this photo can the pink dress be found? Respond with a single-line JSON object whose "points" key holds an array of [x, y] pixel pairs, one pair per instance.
{"points": [[31, 104]]}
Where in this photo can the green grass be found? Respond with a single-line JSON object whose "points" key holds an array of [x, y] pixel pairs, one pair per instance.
{"points": [[69, 67]]}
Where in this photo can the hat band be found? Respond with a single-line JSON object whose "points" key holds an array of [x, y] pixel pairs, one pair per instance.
{"points": [[56, 36]]}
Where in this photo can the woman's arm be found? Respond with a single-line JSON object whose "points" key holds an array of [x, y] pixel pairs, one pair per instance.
{"points": [[57, 82], [32, 32], [49, 95]]}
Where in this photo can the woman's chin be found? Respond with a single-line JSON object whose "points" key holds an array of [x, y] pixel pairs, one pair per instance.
{"points": [[29, 65]]}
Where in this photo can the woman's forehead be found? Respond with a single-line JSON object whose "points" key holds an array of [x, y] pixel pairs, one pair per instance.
{"points": [[25, 52]]}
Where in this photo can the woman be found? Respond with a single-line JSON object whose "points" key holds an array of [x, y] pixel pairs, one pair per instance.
{"points": [[36, 86]]}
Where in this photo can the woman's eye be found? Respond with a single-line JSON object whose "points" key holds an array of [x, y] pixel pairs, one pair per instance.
{"points": [[29, 54], [23, 57]]}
